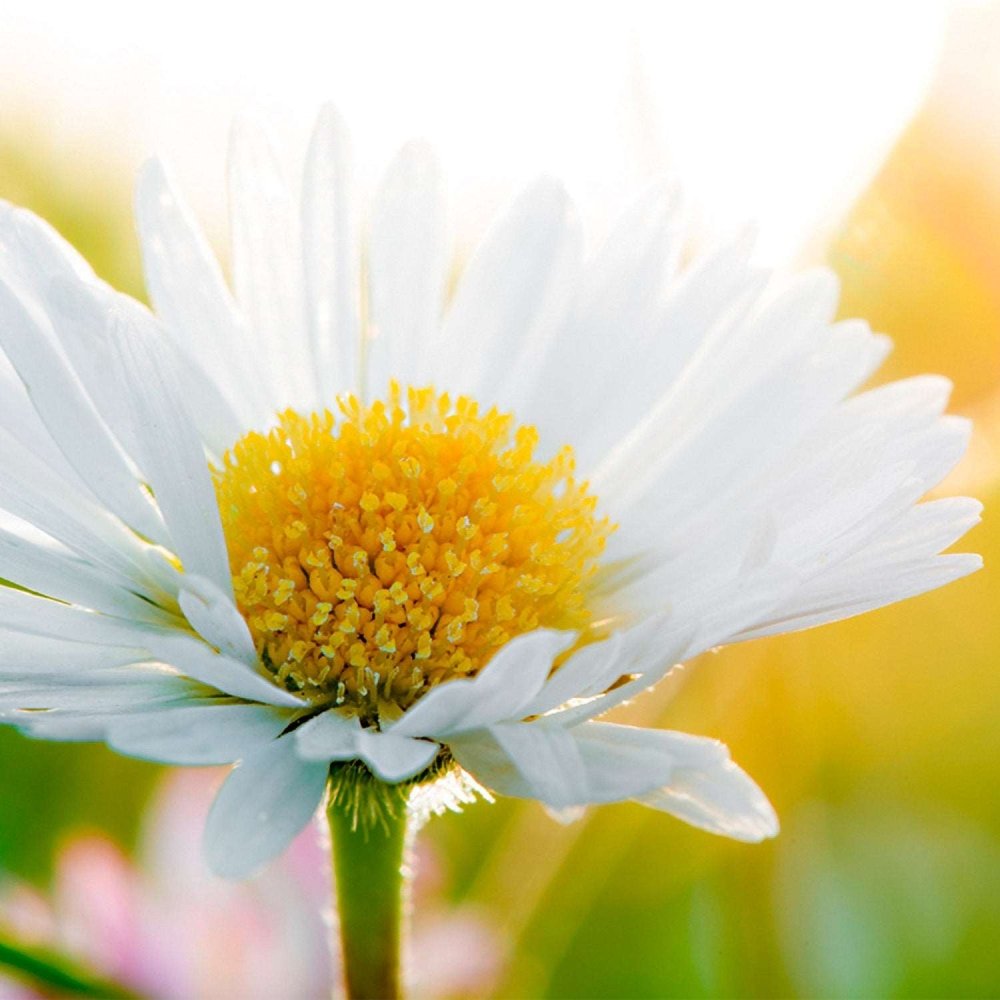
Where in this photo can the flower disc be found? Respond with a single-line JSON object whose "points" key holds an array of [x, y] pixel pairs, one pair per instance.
{"points": [[379, 551]]}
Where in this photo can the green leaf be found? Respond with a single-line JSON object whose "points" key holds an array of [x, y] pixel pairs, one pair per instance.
{"points": [[53, 972]]}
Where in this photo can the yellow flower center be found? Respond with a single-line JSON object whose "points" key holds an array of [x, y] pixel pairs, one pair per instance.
{"points": [[381, 550]]}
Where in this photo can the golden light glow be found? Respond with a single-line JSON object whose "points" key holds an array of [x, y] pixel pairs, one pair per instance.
{"points": [[381, 550]]}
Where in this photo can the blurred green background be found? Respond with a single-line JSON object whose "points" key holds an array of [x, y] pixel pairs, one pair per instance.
{"points": [[877, 739]]}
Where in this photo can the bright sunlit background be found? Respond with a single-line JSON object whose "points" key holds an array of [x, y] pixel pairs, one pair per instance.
{"points": [[865, 135]]}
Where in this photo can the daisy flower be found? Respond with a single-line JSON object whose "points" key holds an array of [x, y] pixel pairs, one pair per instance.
{"points": [[337, 519]]}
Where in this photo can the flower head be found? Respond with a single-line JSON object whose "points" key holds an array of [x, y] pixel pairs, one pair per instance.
{"points": [[384, 550], [341, 517]]}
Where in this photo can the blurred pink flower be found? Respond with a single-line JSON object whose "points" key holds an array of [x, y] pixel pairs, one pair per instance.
{"points": [[167, 928]]}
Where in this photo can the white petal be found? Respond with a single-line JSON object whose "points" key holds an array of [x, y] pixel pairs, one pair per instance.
{"points": [[330, 259], [186, 286], [62, 727], [22, 423], [46, 270], [199, 661], [25, 335], [510, 296], [212, 412], [328, 736], [133, 688], [216, 422], [592, 763], [611, 328], [928, 528], [596, 666], [406, 271], [332, 736], [499, 692], [264, 803], [480, 754], [37, 494], [266, 267], [197, 734], [31, 250], [216, 618], [549, 760], [27, 656], [910, 400], [720, 798], [650, 651], [674, 328], [395, 758], [761, 384], [81, 317], [55, 572], [39, 616], [834, 598], [625, 761], [172, 455]]}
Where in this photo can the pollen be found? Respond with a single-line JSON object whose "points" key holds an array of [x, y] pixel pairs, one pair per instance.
{"points": [[378, 550]]}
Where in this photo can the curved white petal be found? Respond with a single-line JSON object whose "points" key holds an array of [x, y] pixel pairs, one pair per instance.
{"points": [[55, 572], [172, 455], [611, 325], [329, 736], [587, 672], [332, 736], [510, 298], [670, 330], [266, 800], [407, 259], [856, 590], [199, 661], [44, 269], [127, 689], [197, 734], [718, 797], [266, 268], [501, 691], [727, 387], [187, 288], [395, 758], [75, 727], [21, 612], [599, 762], [547, 757], [69, 415], [330, 259], [647, 653], [216, 618], [480, 754], [647, 650], [28, 657], [23, 426], [35, 492], [31, 251], [625, 761]]}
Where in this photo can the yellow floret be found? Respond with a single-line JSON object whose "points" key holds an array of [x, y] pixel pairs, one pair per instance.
{"points": [[380, 550]]}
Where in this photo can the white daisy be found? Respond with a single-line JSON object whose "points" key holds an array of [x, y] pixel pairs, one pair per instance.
{"points": [[294, 523]]}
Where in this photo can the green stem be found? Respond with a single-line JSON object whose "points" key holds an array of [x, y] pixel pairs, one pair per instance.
{"points": [[54, 972], [368, 869]]}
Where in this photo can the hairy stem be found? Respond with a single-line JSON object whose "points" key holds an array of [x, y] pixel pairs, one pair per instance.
{"points": [[368, 869]]}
